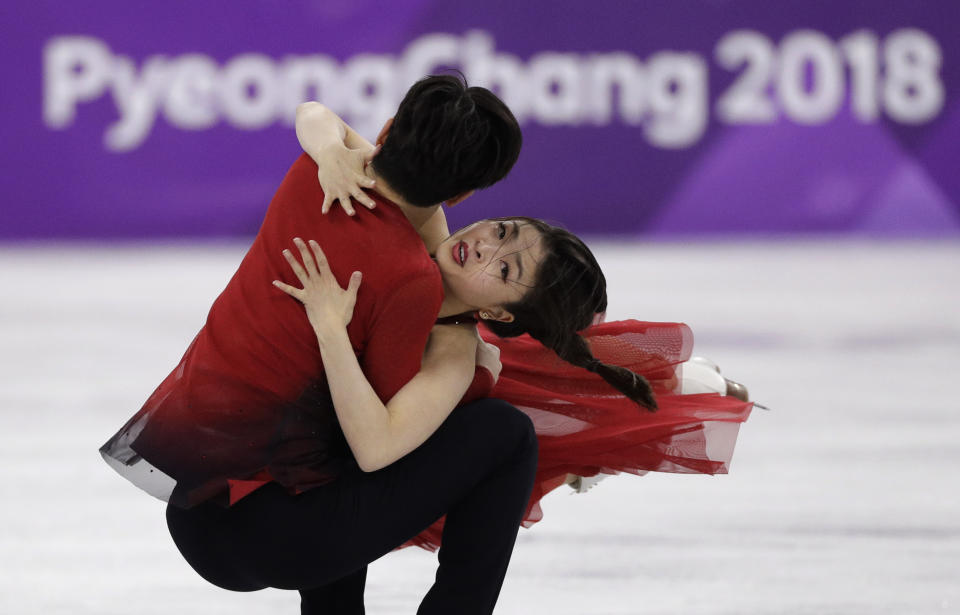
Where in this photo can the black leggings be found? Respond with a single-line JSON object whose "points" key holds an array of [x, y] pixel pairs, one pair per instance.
{"points": [[477, 468]]}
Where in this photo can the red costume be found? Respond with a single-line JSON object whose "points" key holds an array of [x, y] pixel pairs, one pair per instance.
{"points": [[585, 427]]}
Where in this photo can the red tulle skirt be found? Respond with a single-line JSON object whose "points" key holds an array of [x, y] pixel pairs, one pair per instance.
{"points": [[585, 427]]}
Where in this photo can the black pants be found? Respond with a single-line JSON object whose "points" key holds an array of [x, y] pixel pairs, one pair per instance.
{"points": [[477, 468]]}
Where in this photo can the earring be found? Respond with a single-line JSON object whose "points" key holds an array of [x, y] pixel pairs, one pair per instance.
{"points": [[484, 315]]}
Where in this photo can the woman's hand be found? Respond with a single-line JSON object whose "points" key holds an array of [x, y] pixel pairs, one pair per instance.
{"points": [[340, 153], [329, 307], [341, 175]]}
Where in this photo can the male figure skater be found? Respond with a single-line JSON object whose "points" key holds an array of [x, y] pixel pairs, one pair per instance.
{"points": [[242, 440]]}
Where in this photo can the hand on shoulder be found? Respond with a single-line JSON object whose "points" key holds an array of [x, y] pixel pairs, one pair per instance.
{"points": [[329, 306], [340, 171]]}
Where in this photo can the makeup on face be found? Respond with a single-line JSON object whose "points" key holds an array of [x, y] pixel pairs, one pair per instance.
{"points": [[460, 251], [490, 263]]}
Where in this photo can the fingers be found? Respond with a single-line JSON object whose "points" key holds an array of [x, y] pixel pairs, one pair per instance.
{"points": [[314, 263], [307, 257], [354, 283], [351, 294], [369, 156], [362, 197], [297, 269], [316, 270], [364, 181], [327, 201], [296, 293], [347, 205], [321, 258], [344, 202]]}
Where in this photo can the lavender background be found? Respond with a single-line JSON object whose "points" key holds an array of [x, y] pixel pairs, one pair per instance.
{"points": [[842, 176]]}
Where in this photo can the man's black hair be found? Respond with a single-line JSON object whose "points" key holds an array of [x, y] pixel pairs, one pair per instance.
{"points": [[447, 139]]}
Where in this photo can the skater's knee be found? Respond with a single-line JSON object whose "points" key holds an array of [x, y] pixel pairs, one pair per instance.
{"points": [[505, 423], [195, 534]]}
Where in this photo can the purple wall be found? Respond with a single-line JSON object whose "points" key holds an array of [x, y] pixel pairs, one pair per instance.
{"points": [[659, 118]]}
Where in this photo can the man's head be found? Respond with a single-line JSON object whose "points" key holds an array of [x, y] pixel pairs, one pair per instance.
{"points": [[447, 140]]}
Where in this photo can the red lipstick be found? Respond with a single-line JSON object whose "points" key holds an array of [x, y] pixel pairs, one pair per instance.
{"points": [[460, 252]]}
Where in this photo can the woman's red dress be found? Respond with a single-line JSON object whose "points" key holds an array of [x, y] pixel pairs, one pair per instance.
{"points": [[585, 427]]}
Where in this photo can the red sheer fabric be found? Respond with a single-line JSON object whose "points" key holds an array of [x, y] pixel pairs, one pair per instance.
{"points": [[585, 427]]}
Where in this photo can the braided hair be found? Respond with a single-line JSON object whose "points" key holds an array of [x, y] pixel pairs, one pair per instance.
{"points": [[570, 290]]}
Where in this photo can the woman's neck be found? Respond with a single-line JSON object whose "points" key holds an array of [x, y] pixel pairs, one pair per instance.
{"points": [[452, 306]]}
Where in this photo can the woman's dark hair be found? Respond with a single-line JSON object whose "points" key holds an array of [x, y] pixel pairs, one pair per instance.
{"points": [[569, 291], [447, 139]]}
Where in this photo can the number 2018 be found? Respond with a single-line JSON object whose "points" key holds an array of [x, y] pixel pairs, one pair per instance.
{"points": [[806, 76]]}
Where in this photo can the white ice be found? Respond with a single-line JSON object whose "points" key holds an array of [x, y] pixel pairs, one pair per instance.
{"points": [[843, 499]]}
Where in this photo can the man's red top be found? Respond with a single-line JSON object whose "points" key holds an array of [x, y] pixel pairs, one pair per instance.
{"points": [[249, 402]]}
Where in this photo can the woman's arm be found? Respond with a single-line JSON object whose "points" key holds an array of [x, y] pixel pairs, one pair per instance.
{"points": [[341, 155], [379, 434], [318, 126]]}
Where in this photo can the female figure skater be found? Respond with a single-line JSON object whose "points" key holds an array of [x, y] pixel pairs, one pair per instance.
{"points": [[584, 432]]}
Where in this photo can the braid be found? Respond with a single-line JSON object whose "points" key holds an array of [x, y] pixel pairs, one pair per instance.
{"points": [[573, 349]]}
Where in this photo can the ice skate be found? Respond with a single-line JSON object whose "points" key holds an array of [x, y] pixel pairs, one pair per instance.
{"points": [[737, 390], [701, 375], [582, 484], [733, 389]]}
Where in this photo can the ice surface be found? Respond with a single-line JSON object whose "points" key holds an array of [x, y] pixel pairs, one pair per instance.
{"points": [[844, 499]]}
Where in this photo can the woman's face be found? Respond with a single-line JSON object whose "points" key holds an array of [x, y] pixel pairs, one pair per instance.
{"points": [[490, 263]]}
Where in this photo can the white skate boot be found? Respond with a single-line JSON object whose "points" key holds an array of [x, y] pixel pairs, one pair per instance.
{"points": [[701, 375], [582, 484]]}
